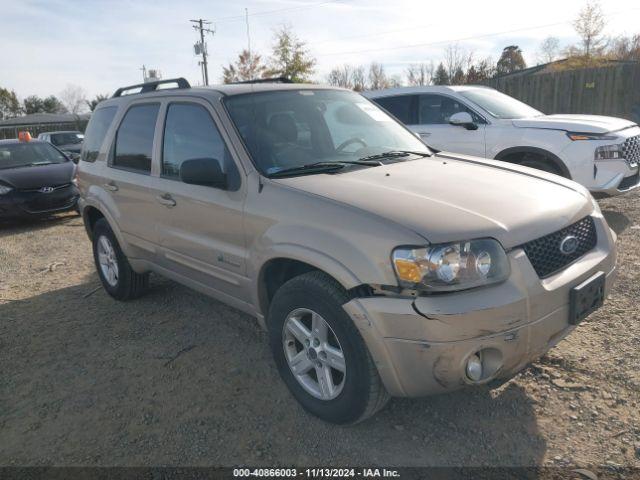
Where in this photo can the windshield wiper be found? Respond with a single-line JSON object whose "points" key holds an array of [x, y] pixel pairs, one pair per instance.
{"points": [[394, 154], [319, 167]]}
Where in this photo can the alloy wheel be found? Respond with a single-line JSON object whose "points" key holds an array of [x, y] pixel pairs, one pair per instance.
{"points": [[314, 354]]}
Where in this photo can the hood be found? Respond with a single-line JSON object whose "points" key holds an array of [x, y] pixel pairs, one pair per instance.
{"points": [[575, 123], [70, 147], [27, 178], [448, 198]]}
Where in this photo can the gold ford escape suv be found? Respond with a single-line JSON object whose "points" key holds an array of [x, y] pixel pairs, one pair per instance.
{"points": [[378, 268]]}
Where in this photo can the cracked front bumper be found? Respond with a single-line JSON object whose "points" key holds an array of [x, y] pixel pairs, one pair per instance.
{"points": [[421, 345]]}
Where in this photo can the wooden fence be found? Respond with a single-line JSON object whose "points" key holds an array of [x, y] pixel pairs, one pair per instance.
{"points": [[612, 90]]}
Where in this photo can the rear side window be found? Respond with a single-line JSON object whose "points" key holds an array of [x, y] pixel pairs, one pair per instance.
{"points": [[189, 133], [402, 107], [134, 140], [96, 131]]}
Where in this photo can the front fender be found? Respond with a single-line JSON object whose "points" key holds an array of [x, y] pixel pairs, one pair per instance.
{"points": [[348, 263]]}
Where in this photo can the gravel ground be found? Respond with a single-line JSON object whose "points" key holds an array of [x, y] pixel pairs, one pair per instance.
{"points": [[176, 378]]}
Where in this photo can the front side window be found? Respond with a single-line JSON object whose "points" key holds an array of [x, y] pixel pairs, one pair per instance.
{"points": [[500, 105], [400, 106], [291, 128], [14, 155], [134, 140], [67, 138], [190, 133], [437, 109], [96, 131]]}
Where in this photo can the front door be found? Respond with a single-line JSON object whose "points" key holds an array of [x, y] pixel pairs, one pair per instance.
{"points": [[202, 235], [435, 130]]}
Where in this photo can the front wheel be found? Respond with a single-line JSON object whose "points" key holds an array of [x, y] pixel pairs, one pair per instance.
{"points": [[534, 161], [319, 352]]}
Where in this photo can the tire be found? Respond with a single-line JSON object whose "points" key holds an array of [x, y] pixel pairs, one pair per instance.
{"points": [[534, 161], [125, 284], [361, 392]]}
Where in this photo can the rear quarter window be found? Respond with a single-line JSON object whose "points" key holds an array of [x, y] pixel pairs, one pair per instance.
{"points": [[96, 131]]}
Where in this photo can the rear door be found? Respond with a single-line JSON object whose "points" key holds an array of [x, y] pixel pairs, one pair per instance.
{"points": [[201, 232], [130, 182], [434, 111]]}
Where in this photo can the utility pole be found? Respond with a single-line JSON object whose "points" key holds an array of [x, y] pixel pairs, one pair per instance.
{"points": [[202, 50], [144, 73]]}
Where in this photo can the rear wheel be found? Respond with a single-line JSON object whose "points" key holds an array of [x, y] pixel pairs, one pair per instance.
{"points": [[116, 275], [319, 352]]}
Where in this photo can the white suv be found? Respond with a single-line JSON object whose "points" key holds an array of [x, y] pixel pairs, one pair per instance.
{"points": [[601, 153]]}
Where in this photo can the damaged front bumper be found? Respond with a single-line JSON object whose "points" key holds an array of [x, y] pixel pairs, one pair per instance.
{"points": [[421, 345]]}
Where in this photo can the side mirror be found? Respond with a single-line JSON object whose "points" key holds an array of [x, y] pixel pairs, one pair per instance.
{"points": [[463, 119], [203, 171]]}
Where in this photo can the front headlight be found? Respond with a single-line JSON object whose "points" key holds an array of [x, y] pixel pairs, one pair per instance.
{"points": [[4, 189], [451, 266], [609, 152]]}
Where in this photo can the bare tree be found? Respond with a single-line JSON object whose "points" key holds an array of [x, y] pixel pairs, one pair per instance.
{"points": [[395, 81], [457, 58], [419, 74], [589, 25], [625, 48], [548, 50], [377, 77], [359, 79], [74, 98], [341, 76]]}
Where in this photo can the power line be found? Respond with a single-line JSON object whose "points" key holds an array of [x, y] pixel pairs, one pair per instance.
{"points": [[444, 42], [237, 18], [376, 34]]}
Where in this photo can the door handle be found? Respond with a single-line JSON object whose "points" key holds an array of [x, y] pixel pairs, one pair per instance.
{"points": [[166, 199], [111, 186], [424, 134]]}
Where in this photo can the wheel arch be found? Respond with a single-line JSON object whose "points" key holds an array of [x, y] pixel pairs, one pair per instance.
{"points": [[553, 158], [278, 269]]}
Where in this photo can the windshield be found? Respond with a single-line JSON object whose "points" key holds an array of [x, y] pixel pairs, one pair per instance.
{"points": [[289, 129], [500, 105], [67, 138], [28, 154]]}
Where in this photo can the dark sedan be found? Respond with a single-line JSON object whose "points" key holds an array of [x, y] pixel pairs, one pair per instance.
{"points": [[35, 179]]}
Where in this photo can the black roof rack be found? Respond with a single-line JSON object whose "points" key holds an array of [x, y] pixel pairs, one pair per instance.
{"points": [[153, 86], [265, 80]]}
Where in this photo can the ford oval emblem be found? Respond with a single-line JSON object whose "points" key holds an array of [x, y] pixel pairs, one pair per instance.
{"points": [[569, 245]]}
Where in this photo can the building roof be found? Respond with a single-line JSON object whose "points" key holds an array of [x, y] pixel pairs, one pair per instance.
{"points": [[43, 118]]}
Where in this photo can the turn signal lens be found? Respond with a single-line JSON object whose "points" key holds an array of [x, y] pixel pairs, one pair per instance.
{"points": [[407, 270], [576, 136]]}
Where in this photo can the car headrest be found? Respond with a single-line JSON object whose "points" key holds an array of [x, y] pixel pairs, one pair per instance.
{"points": [[283, 127]]}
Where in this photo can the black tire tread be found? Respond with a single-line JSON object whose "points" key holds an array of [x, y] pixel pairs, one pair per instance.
{"points": [[132, 284], [377, 396]]}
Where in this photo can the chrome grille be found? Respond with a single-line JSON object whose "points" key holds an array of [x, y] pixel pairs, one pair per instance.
{"points": [[53, 187], [545, 255], [631, 151]]}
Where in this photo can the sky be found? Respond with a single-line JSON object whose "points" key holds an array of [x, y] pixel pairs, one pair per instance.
{"points": [[100, 45]]}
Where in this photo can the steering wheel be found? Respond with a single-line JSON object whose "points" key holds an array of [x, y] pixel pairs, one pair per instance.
{"points": [[349, 141]]}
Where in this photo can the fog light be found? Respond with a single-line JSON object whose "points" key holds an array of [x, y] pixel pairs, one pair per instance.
{"points": [[474, 368]]}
